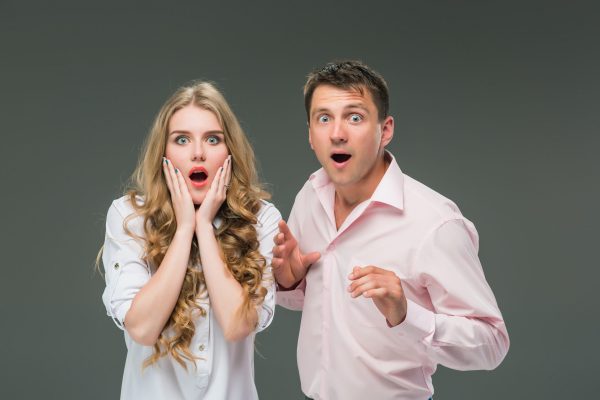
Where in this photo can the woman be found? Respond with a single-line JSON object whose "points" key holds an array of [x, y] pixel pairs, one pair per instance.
{"points": [[187, 256]]}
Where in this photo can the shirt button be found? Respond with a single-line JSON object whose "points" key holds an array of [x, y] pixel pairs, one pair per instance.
{"points": [[116, 266], [201, 347]]}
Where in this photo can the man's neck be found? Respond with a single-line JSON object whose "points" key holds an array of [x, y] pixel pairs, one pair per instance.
{"points": [[348, 197]]}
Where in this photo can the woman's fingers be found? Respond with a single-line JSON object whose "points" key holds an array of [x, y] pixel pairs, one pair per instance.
{"points": [[181, 199], [224, 178], [174, 173], [216, 194], [221, 188], [214, 187], [167, 174], [182, 186], [213, 191], [228, 175], [171, 175]]}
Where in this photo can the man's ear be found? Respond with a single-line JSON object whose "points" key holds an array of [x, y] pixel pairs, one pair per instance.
{"points": [[309, 137], [387, 131]]}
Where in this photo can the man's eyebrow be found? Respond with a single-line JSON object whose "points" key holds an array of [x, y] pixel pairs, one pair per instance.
{"points": [[357, 105], [346, 107], [319, 110]]}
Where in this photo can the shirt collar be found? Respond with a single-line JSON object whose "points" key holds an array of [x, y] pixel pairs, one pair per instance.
{"points": [[390, 189], [319, 178]]}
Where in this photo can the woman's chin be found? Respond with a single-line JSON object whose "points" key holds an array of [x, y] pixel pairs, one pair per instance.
{"points": [[197, 200]]}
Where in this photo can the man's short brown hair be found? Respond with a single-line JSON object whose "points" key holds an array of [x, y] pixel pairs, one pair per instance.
{"points": [[352, 75]]}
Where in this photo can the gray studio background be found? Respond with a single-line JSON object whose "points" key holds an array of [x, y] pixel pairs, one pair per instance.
{"points": [[496, 107]]}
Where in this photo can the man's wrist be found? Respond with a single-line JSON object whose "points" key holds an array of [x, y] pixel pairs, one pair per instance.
{"points": [[398, 319], [282, 288], [391, 325]]}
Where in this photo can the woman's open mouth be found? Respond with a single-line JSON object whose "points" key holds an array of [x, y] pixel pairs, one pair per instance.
{"points": [[198, 176]]}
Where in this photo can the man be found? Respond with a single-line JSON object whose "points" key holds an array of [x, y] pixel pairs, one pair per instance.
{"points": [[384, 269]]}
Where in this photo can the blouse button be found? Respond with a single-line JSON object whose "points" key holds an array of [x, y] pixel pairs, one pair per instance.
{"points": [[201, 347], [116, 266]]}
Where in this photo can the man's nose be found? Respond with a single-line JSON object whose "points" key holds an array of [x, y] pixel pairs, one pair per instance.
{"points": [[338, 133]]}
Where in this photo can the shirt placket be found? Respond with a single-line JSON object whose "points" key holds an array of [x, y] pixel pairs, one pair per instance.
{"points": [[329, 266], [201, 348]]}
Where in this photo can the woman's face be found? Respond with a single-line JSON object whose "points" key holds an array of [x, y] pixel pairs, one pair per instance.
{"points": [[196, 146]]}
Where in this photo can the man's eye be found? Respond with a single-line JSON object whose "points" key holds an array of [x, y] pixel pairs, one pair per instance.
{"points": [[323, 118], [182, 140], [355, 118], [213, 140]]}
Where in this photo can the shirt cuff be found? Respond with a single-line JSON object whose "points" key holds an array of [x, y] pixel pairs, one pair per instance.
{"points": [[291, 299], [265, 316], [418, 324], [119, 313], [266, 310]]}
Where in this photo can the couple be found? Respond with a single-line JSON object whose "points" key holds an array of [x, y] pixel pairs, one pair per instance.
{"points": [[384, 269]]}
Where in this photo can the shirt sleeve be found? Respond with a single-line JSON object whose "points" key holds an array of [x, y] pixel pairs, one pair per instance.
{"points": [[293, 299], [465, 330], [125, 271], [268, 221]]}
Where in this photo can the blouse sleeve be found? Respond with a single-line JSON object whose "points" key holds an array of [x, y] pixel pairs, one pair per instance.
{"points": [[125, 271], [267, 228]]}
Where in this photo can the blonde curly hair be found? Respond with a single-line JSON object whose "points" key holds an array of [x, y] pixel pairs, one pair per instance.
{"points": [[236, 235]]}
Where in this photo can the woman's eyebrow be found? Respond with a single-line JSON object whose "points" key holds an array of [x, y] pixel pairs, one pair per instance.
{"points": [[211, 132]]}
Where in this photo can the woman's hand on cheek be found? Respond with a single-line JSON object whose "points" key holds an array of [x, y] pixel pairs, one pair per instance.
{"points": [[216, 195], [183, 206]]}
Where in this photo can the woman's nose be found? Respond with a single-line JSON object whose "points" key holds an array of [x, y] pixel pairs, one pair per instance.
{"points": [[198, 152]]}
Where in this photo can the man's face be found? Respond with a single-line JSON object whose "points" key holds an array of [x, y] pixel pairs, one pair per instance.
{"points": [[346, 135]]}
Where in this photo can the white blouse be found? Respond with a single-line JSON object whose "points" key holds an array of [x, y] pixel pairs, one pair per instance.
{"points": [[225, 370]]}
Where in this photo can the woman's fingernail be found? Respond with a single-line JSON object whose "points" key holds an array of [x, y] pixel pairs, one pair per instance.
{"points": [[166, 161], [176, 171]]}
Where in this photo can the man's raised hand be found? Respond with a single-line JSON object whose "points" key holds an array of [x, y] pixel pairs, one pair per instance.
{"points": [[289, 264]]}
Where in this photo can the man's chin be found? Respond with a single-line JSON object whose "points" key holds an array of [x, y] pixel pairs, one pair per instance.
{"points": [[339, 179]]}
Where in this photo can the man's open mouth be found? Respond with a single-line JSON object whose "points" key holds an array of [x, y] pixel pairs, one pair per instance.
{"points": [[340, 157]]}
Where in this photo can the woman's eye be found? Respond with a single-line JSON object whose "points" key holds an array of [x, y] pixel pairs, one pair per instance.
{"points": [[182, 140], [323, 118], [213, 140], [355, 118]]}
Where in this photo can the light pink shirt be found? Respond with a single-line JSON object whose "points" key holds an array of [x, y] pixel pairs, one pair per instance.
{"points": [[346, 350]]}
